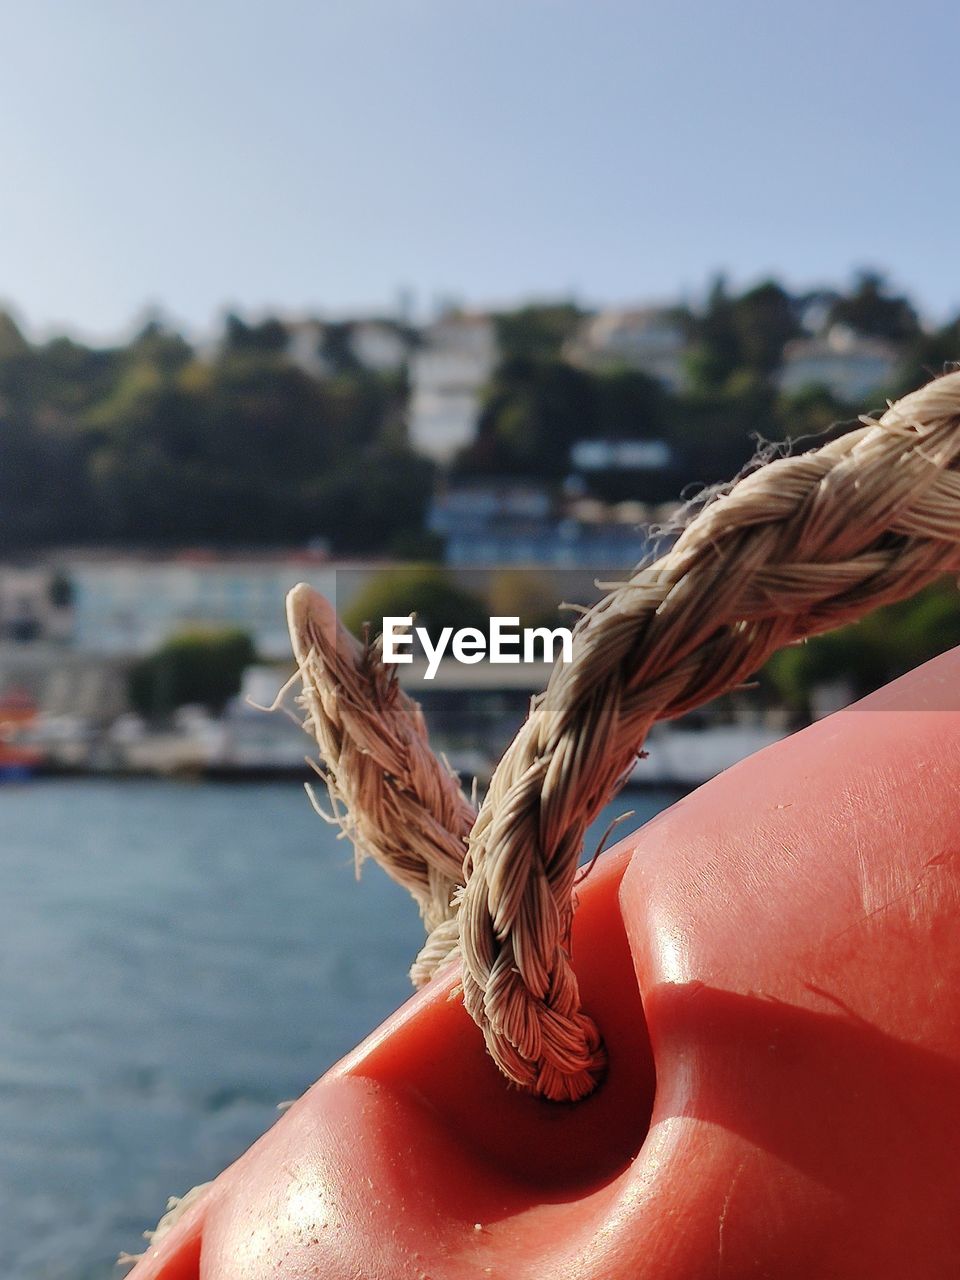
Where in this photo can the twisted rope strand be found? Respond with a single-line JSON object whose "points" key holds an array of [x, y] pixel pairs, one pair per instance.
{"points": [[390, 794], [798, 547]]}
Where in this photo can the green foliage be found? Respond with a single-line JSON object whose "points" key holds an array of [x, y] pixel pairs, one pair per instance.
{"points": [[418, 545], [424, 590], [268, 337], [521, 593], [741, 334], [156, 444], [716, 432], [808, 415], [337, 350], [202, 667], [868, 654], [764, 319], [930, 354], [871, 309], [155, 345], [12, 341], [535, 411], [372, 501], [247, 449], [153, 444], [537, 332], [630, 405]]}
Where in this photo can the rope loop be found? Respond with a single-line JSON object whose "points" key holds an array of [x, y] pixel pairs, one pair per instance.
{"points": [[797, 547]]}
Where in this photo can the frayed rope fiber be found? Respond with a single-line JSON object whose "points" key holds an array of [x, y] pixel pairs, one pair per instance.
{"points": [[800, 546], [396, 801]]}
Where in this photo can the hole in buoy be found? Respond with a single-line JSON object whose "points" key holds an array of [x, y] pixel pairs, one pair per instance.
{"points": [[561, 1149]]}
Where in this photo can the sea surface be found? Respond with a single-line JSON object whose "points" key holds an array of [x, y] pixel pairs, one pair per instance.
{"points": [[175, 959]]}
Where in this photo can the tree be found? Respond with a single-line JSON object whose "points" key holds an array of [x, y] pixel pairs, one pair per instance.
{"points": [[247, 449], [631, 406], [538, 331], [764, 319], [929, 355], [371, 501], [44, 492], [522, 593], [714, 352], [12, 341], [156, 444], [805, 417], [534, 411], [867, 654], [741, 333], [202, 667], [270, 336], [336, 347], [424, 590], [716, 432], [164, 348], [872, 310]]}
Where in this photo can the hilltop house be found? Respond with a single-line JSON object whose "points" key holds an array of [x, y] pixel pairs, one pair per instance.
{"points": [[379, 345], [447, 375], [650, 340], [843, 362]]}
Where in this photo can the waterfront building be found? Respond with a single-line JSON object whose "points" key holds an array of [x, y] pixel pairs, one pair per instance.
{"points": [[518, 525], [129, 605], [34, 604], [559, 544]]}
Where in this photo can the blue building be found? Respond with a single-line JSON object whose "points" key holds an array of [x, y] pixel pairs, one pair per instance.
{"points": [[514, 525]]}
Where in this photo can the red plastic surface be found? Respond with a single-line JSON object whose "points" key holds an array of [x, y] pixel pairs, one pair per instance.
{"points": [[790, 932]]}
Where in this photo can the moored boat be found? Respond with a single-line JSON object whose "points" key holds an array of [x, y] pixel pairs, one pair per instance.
{"points": [[19, 758]]}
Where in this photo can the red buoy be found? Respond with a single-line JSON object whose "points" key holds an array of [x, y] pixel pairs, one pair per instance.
{"points": [[774, 963]]}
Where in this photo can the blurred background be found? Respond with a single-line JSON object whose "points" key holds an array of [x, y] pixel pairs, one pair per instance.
{"points": [[441, 308]]}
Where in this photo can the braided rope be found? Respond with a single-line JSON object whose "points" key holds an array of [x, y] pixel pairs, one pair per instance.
{"points": [[800, 546], [390, 794]]}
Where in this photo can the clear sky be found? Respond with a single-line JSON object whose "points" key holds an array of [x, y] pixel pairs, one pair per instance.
{"points": [[194, 154]]}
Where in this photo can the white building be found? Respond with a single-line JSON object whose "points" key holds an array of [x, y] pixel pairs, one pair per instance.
{"points": [[621, 455], [375, 344], [652, 341], [447, 375], [849, 366], [305, 346], [126, 606], [379, 346], [29, 605]]}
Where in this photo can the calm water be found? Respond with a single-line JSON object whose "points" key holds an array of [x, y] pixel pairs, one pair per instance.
{"points": [[175, 959]]}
